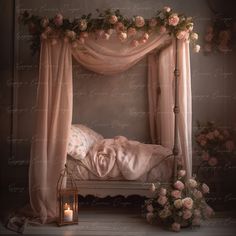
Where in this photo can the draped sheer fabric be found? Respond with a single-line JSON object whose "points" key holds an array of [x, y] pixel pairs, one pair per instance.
{"points": [[54, 104]]}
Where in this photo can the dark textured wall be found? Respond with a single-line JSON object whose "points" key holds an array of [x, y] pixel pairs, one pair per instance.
{"points": [[112, 105]]}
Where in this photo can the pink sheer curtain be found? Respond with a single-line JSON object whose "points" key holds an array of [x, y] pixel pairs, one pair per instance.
{"points": [[54, 105], [53, 120], [161, 100]]}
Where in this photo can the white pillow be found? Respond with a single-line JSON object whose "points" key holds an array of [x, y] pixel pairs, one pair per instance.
{"points": [[81, 139]]}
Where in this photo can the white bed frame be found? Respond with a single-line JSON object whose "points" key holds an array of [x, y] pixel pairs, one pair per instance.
{"points": [[127, 188]]}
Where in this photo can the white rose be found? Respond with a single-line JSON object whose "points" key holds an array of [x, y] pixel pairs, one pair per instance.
{"points": [[122, 36], [139, 21], [83, 24], [167, 9], [196, 48], [178, 203], [192, 183], [194, 36]]}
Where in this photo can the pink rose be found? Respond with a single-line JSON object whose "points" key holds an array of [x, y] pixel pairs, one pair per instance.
{"points": [[122, 36], [192, 183], [205, 188], [58, 19], [212, 161], [113, 19], [134, 43], [179, 185], [208, 212], [197, 194], [196, 221], [187, 214], [153, 188], [152, 22], [139, 21], [44, 22], [149, 217], [176, 194], [178, 203], [175, 227], [187, 203], [197, 213], [162, 200], [230, 146], [163, 192], [181, 173], [150, 208], [173, 19], [119, 27], [131, 31]]}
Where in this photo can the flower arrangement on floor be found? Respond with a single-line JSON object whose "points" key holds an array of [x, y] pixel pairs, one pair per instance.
{"points": [[179, 205], [135, 30], [217, 148]]}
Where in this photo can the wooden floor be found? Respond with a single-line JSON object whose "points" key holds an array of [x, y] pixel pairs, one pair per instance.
{"points": [[125, 221]]}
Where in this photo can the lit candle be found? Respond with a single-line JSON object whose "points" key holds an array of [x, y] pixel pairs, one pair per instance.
{"points": [[68, 215]]}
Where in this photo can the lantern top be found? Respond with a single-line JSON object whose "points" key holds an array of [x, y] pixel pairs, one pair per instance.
{"points": [[66, 181]]}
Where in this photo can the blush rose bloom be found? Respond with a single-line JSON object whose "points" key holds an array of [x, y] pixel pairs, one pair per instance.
{"points": [[113, 19], [182, 173], [131, 31], [70, 34], [187, 214], [192, 183], [205, 188], [139, 21], [173, 19], [167, 9], [188, 203], [197, 194], [175, 227], [178, 203], [149, 217], [152, 22], [119, 27], [58, 19], [163, 192], [150, 208], [162, 200], [179, 185], [122, 36], [176, 194]]}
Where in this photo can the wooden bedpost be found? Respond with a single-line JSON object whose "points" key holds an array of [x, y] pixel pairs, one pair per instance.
{"points": [[176, 111]]}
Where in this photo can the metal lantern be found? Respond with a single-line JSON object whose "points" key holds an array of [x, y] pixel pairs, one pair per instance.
{"points": [[67, 196]]}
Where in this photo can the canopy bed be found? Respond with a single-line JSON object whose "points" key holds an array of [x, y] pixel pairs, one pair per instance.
{"points": [[94, 44]]}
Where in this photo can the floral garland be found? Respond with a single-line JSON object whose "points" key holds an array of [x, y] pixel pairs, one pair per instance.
{"points": [[77, 31], [179, 205]]}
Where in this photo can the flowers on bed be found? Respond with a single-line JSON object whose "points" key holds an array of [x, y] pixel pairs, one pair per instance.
{"points": [[216, 145], [136, 29], [180, 204]]}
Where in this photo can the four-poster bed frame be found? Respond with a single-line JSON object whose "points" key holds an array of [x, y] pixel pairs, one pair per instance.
{"points": [[112, 188]]}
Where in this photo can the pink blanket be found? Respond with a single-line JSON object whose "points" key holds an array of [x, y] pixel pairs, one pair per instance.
{"points": [[120, 158]]}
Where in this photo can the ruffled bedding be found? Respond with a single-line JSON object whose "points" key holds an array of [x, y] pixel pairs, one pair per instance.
{"points": [[123, 159]]}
